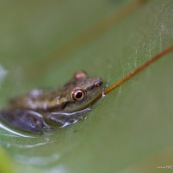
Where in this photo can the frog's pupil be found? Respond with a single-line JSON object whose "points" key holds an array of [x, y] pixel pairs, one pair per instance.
{"points": [[79, 95]]}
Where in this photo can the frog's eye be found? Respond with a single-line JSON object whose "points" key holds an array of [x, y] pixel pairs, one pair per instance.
{"points": [[78, 94]]}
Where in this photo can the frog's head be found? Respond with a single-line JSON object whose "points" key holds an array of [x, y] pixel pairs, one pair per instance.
{"points": [[82, 91]]}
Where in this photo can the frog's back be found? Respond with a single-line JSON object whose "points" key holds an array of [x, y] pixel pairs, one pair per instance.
{"points": [[34, 100]]}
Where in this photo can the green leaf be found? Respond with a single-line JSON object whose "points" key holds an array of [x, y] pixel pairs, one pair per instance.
{"points": [[5, 165], [44, 42]]}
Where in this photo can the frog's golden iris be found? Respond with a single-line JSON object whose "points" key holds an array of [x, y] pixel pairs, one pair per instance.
{"points": [[78, 94]]}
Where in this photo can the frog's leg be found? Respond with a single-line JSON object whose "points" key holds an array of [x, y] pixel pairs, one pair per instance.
{"points": [[63, 119], [25, 120]]}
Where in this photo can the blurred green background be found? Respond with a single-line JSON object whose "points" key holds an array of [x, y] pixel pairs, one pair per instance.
{"points": [[42, 43]]}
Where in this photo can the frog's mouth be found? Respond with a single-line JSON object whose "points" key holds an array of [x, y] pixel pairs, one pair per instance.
{"points": [[94, 101], [83, 106]]}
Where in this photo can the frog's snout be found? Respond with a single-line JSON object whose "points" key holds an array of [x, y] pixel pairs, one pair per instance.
{"points": [[98, 82]]}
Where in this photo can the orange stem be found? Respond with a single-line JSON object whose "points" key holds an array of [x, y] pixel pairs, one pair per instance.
{"points": [[138, 69]]}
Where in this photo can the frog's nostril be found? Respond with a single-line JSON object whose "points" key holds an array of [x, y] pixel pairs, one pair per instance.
{"points": [[99, 82]]}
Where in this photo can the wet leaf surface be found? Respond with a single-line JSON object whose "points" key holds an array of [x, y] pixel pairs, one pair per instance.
{"points": [[130, 127]]}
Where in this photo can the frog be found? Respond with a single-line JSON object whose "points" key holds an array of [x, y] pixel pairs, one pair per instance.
{"points": [[40, 110]]}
